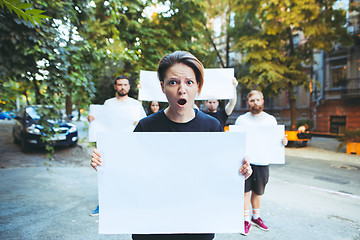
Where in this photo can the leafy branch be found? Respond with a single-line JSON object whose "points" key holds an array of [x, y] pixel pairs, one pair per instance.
{"points": [[22, 10]]}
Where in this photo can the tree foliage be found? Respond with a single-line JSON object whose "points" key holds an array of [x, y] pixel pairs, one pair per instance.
{"points": [[24, 11], [267, 30], [73, 57]]}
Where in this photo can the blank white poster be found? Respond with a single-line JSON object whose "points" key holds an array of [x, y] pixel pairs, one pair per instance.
{"points": [[217, 84], [150, 87], [171, 183], [107, 119], [263, 143]]}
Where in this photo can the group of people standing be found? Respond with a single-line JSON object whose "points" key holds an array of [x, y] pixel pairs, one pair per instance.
{"points": [[181, 78]]}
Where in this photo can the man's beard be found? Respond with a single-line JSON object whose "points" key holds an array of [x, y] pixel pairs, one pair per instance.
{"points": [[257, 109], [122, 93], [212, 110]]}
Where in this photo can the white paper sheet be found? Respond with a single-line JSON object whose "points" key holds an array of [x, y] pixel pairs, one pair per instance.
{"points": [[263, 143], [112, 119], [100, 124], [150, 87], [217, 84], [167, 183]]}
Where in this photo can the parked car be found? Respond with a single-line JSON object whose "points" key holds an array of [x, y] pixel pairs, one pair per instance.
{"points": [[30, 127]]}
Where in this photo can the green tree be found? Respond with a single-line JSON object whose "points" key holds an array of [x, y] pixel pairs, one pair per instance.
{"points": [[44, 65], [112, 29], [221, 42], [180, 27], [24, 11], [266, 30], [131, 40]]}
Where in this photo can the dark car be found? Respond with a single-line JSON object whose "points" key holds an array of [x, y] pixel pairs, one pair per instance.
{"points": [[30, 128]]}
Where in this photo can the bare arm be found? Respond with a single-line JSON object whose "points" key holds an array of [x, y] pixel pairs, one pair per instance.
{"points": [[231, 104]]}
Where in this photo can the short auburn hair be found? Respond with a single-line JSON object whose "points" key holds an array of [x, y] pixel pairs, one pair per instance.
{"points": [[185, 58]]}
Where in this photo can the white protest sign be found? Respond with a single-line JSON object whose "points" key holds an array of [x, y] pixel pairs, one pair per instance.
{"points": [[263, 143], [150, 87], [106, 118], [217, 84], [163, 183], [100, 124]]}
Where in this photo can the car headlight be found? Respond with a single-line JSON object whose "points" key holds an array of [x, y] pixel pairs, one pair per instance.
{"points": [[72, 128], [33, 130]]}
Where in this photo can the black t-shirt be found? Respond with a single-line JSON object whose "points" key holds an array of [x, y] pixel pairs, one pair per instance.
{"points": [[159, 122], [219, 115]]}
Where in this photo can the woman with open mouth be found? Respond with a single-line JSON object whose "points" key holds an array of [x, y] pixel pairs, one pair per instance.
{"points": [[181, 77]]}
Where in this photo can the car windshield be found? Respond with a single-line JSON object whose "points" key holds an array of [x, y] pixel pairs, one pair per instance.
{"points": [[32, 113], [35, 113]]}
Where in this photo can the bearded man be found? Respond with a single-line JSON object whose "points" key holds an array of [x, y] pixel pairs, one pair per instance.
{"points": [[122, 88], [122, 102], [255, 184]]}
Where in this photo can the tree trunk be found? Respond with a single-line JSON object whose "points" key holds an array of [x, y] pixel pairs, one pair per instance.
{"points": [[68, 105], [27, 98], [228, 16], [227, 50], [79, 114], [292, 98], [292, 103], [214, 45], [36, 90]]}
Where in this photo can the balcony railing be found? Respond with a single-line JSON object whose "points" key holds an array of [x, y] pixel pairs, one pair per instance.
{"points": [[351, 88]]}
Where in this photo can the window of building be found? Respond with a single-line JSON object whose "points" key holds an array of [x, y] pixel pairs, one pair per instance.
{"points": [[231, 59], [268, 102], [296, 40], [243, 103], [338, 69], [337, 124], [217, 27], [232, 19]]}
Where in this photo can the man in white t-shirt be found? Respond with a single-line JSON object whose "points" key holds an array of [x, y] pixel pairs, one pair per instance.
{"points": [[129, 108], [255, 184], [122, 101]]}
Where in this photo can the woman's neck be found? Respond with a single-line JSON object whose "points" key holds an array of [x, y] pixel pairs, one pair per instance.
{"points": [[180, 117]]}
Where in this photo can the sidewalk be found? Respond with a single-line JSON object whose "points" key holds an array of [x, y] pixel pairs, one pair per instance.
{"points": [[325, 143], [325, 149]]}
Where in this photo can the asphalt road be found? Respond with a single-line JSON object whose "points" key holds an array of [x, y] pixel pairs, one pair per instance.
{"points": [[315, 195]]}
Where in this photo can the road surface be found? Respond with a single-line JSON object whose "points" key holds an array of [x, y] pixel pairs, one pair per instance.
{"points": [[315, 195]]}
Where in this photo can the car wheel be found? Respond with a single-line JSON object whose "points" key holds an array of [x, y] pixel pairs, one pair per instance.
{"points": [[15, 140], [24, 145]]}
